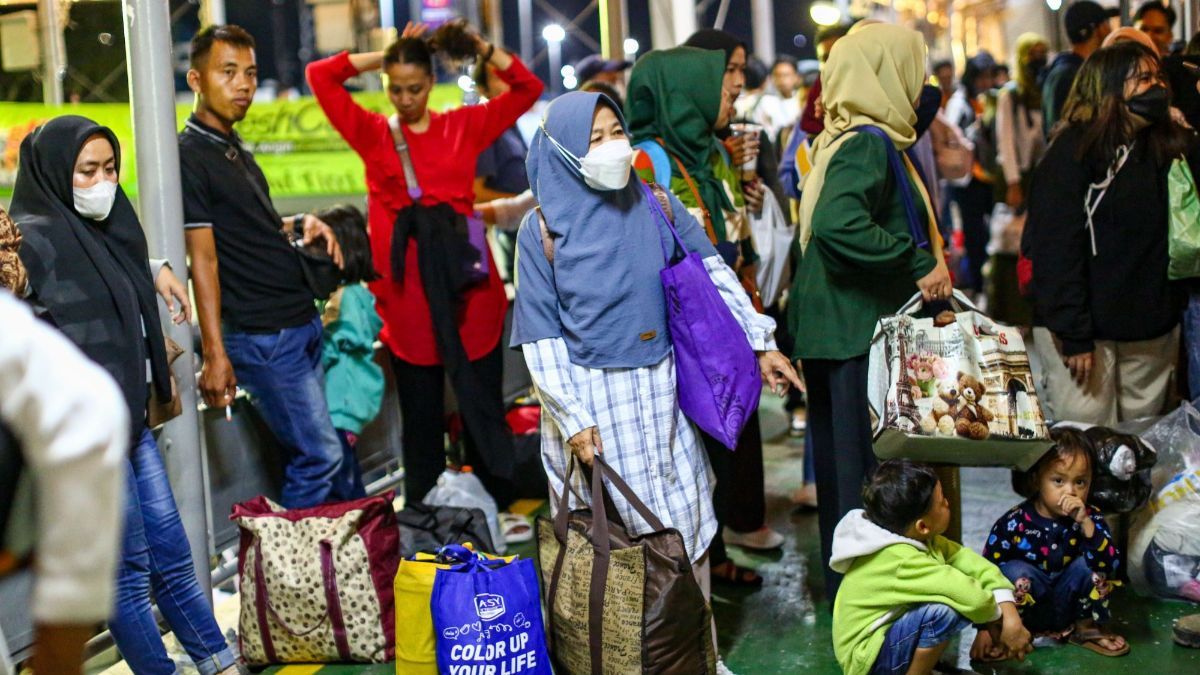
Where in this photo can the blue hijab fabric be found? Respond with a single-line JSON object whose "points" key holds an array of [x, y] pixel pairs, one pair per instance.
{"points": [[602, 294]]}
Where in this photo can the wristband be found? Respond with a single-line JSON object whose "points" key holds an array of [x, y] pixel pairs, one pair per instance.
{"points": [[490, 52], [298, 223]]}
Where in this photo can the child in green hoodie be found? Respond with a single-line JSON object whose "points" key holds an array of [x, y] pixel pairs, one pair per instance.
{"points": [[907, 589]]}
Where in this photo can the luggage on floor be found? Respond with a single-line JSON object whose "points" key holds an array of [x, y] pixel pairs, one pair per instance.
{"points": [[1121, 474], [961, 394], [487, 616], [530, 473], [617, 603], [416, 649], [462, 489], [316, 582], [426, 529]]}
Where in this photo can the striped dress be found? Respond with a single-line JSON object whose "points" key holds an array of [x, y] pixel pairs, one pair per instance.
{"points": [[645, 437]]}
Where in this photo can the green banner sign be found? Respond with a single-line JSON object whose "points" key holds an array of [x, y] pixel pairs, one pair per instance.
{"points": [[298, 150]]}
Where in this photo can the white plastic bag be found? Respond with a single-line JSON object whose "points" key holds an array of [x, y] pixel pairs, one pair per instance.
{"points": [[773, 241], [462, 489], [1164, 542]]}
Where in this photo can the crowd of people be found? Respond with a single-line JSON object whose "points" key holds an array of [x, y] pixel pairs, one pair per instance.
{"points": [[1045, 197]]}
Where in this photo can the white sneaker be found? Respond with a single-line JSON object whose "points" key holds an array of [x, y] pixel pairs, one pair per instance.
{"points": [[722, 669], [762, 539]]}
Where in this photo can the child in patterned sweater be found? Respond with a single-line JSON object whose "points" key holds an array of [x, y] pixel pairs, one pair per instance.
{"points": [[1058, 551]]}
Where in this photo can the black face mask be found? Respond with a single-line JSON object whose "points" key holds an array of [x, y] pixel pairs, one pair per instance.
{"points": [[1036, 66], [927, 108], [1152, 105]]}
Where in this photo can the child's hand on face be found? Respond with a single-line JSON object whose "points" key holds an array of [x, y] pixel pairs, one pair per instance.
{"points": [[1073, 507]]}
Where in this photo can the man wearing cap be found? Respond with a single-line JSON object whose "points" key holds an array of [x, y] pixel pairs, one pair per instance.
{"points": [[595, 68], [1087, 25]]}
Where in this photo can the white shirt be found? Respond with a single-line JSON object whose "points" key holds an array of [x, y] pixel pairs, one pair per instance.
{"points": [[71, 423]]}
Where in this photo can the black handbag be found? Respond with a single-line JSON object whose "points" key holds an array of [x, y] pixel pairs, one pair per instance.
{"points": [[425, 529]]}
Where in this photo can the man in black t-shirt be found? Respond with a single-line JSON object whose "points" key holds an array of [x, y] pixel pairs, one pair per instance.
{"points": [[258, 321]]}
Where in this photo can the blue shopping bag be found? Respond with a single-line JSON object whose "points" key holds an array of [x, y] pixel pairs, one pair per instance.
{"points": [[487, 617]]}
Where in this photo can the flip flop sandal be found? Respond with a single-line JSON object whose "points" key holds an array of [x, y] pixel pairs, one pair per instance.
{"points": [[515, 528], [1089, 640], [735, 576]]}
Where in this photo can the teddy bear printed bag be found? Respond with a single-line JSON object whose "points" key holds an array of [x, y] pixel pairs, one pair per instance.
{"points": [[959, 393]]}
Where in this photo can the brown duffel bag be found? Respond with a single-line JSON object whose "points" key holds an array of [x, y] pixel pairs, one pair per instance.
{"points": [[620, 603]]}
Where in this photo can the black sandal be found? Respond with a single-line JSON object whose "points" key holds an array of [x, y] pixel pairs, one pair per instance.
{"points": [[732, 575]]}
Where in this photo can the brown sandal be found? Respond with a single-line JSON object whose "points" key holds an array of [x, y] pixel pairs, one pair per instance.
{"points": [[730, 574], [1089, 639]]}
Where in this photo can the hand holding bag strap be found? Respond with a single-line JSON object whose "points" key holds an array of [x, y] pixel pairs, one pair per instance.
{"points": [[333, 601]]}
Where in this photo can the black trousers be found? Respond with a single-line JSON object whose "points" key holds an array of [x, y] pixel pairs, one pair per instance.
{"points": [[843, 457], [739, 498], [975, 201], [422, 391]]}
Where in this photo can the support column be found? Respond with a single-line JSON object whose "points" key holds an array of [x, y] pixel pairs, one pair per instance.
{"points": [[152, 100], [495, 22], [54, 53], [762, 19], [212, 12], [614, 22], [525, 12], [671, 22]]}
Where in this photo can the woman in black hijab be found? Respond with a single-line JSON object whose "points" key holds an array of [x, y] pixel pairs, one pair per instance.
{"points": [[86, 258]]}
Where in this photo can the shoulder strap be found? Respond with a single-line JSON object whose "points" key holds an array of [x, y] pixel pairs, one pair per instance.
{"points": [[547, 238], [401, 144], [687, 177], [896, 165], [238, 156]]}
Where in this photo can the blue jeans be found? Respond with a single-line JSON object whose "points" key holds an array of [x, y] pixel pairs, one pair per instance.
{"points": [[282, 372], [1060, 598], [922, 627], [155, 556], [1191, 337]]}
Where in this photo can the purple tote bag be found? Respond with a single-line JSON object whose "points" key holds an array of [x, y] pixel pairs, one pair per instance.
{"points": [[716, 371]]}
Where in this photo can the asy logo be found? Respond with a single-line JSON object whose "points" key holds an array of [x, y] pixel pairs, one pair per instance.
{"points": [[489, 606]]}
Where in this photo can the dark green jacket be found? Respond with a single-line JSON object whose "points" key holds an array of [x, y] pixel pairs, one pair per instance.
{"points": [[861, 263]]}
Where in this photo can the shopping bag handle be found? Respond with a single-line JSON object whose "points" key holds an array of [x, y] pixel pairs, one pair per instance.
{"points": [[958, 300]]}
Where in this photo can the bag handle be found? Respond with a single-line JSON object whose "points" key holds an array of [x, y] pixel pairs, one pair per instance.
{"points": [[957, 300], [265, 608], [920, 234], [656, 208]]}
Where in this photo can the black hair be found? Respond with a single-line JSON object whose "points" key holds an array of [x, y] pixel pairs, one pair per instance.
{"points": [[1096, 106], [203, 41], [410, 51], [898, 493], [785, 59], [980, 65], [607, 89], [944, 63], [1001, 68], [1193, 46], [1155, 6], [1069, 443], [350, 228], [831, 33], [756, 73]]}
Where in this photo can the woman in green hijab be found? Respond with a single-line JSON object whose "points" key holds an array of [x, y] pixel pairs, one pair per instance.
{"points": [[858, 260], [676, 101]]}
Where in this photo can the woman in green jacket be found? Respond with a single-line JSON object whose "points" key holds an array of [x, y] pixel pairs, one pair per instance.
{"points": [[858, 257]]}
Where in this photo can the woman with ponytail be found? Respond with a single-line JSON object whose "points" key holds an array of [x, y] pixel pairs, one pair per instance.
{"points": [[440, 297]]}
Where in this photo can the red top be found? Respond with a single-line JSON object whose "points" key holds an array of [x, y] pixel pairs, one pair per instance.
{"points": [[444, 160]]}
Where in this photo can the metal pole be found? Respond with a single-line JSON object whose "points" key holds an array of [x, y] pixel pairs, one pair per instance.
{"points": [[152, 98], [474, 16], [722, 14], [54, 60], [555, 52], [212, 12], [525, 11], [762, 18], [613, 20]]}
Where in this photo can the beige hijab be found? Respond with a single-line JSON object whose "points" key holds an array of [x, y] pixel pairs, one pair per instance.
{"points": [[872, 77]]}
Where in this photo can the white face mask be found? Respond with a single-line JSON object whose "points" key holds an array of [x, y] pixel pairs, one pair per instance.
{"points": [[96, 202], [607, 167]]}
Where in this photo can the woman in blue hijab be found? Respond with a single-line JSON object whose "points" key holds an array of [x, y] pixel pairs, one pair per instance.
{"points": [[591, 320]]}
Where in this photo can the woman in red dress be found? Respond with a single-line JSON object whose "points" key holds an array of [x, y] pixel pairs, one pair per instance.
{"points": [[440, 297]]}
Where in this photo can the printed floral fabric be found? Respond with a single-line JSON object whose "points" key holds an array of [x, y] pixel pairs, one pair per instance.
{"points": [[12, 271]]}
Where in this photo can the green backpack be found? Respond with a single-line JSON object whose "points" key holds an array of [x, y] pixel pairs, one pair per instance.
{"points": [[1183, 234]]}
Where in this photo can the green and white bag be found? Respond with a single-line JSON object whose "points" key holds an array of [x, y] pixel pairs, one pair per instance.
{"points": [[1183, 238]]}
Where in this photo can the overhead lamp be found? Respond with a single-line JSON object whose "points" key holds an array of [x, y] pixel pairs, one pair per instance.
{"points": [[554, 33], [824, 13]]}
